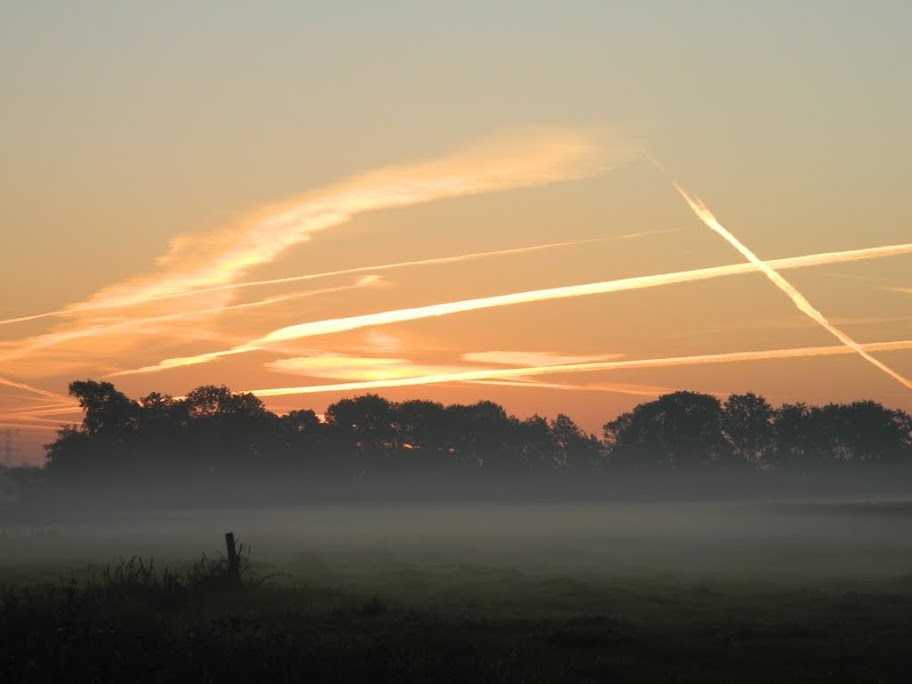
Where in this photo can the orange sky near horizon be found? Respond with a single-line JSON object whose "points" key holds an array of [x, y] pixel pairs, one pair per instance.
{"points": [[425, 223]]}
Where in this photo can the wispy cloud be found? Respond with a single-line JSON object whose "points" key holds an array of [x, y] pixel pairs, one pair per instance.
{"points": [[331, 366], [358, 368], [516, 159], [197, 279]]}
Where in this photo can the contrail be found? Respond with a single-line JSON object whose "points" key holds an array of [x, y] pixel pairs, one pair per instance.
{"points": [[52, 339], [335, 325], [622, 388], [492, 373], [23, 426], [37, 316], [325, 274], [45, 409], [799, 300], [39, 417], [29, 388]]}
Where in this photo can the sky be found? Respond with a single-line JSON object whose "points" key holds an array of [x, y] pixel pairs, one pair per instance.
{"points": [[563, 207]]}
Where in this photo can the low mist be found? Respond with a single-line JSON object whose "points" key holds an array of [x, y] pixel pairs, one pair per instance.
{"points": [[747, 540]]}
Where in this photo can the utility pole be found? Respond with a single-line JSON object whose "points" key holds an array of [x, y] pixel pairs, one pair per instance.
{"points": [[8, 446]]}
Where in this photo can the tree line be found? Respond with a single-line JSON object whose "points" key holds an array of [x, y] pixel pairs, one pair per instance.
{"points": [[213, 431]]}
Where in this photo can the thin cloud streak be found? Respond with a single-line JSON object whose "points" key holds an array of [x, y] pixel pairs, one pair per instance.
{"points": [[45, 410], [23, 426], [459, 258], [53, 339], [621, 388], [510, 373], [336, 325], [787, 325], [798, 299], [34, 417], [39, 420], [29, 388], [522, 358]]}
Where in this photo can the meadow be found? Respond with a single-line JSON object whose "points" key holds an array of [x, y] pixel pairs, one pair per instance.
{"points": [[570, 592]]}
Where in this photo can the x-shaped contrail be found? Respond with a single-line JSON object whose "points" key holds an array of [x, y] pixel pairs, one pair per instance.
{"points": [[799, 300], [337, 325]]}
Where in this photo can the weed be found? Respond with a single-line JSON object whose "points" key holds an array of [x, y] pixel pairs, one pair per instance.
{"points": [[373, 606]]}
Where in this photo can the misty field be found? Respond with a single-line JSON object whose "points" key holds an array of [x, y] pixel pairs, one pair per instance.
{"points": [[794, 591]]}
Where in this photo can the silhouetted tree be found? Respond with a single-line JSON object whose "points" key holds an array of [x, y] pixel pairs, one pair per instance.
{"points": [[678, 430], [100, 445], [105, 409], [791, 424], [213, 431], [576, 450], [538, 449], [301, 422], [485, 436], [423, 432], [72, 454], [747, 422], [863, 431], [161, 434], [213, 400], [871, 432], [802, 437], [363, 428], [303, 439]]}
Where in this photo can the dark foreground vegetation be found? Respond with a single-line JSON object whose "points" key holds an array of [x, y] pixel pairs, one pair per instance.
{"points": [[216, 447], [134, 622]]}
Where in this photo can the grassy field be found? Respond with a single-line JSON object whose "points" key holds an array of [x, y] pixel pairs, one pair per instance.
{"points": [[407, 609]]}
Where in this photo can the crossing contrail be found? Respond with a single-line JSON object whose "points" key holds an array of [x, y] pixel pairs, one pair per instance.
{"points": [[798, 299], [493, 373], [336, 325]]}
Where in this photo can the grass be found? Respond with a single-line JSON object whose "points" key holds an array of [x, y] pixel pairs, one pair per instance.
{"points": [[132, 621]]}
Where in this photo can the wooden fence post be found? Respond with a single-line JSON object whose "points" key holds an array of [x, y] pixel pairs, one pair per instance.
{"points": [[234, 568]]}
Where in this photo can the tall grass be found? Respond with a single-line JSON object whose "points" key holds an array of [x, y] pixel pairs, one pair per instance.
{"points": [[131, 621], [118, 622]]}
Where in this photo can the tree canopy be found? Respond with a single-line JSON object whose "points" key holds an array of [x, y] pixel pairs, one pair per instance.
{"points": [[213, 430]]}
